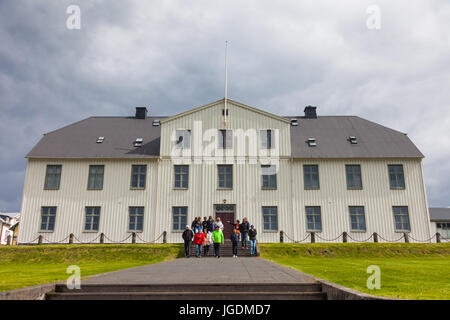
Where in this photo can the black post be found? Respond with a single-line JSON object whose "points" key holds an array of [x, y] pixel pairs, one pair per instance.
{"points": [[71, 238], [133, 238], [281, 236], [405, 235], [165, 237], [102, 238], [438, 237], [40, 239], [375, 237], [344, 237], [313, 237]]}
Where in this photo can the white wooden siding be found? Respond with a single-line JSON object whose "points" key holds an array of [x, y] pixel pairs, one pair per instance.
{"points": [[159, 196]]}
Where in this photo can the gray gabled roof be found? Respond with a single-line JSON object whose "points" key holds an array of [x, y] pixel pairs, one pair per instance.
{"points": [[79, 140], [332, 134], [440, 214]]}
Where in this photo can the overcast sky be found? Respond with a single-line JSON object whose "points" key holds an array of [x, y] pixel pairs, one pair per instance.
{"points": [[169, 56]]}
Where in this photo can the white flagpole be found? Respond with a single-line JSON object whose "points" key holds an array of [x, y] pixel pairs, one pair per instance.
{"points": [[226, 81]]}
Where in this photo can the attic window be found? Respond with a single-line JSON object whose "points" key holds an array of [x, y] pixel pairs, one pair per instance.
{"points": [[156, 123], [138, 142], [100, 139], [312, 142], [223, 112], [353, 140], [294, 122]]}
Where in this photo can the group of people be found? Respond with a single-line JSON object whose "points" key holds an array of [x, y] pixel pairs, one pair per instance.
{"points": [[210, 231]]}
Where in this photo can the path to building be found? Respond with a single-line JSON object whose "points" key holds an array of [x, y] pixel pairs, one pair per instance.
{"points": [[204, 270]]}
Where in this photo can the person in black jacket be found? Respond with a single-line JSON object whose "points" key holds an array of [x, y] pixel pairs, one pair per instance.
{"points": [[204, 224], [252, 234], [188, 236], [243, 228], [235, 242]]}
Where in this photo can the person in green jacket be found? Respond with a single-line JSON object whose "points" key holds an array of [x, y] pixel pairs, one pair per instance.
{"points": [[217, 238]]}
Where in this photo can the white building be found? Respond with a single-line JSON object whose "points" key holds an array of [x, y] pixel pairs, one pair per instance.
{"points": [[300, 174]]}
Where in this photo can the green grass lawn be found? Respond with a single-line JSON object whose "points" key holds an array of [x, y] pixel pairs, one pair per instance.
{"points": [[408, 271], [22, 266]]}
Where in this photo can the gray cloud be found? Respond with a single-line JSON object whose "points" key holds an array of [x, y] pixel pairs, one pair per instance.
{"points": [[169, 55]]}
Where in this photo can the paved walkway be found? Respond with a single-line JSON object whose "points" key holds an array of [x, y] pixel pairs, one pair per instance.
{"points": [[204, 270]]}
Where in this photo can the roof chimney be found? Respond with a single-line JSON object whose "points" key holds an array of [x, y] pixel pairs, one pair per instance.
{"points": [[310, 112], [141, 112]]}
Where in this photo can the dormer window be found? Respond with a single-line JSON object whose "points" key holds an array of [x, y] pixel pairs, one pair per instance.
{"points": [[312, 142], [353, 140], [183, 139], [138, 142]]}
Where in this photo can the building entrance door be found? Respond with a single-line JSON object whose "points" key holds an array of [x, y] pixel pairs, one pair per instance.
{"points": [[226, 214]]}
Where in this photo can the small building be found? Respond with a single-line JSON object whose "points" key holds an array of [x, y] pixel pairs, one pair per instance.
{"points": [[8, 220], [440, 221]]}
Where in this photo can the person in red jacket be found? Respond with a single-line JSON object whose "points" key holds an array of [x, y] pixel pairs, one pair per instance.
{"points": [[199, 240]]}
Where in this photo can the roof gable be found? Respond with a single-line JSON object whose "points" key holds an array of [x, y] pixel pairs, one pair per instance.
{"points": [[229, 101]]}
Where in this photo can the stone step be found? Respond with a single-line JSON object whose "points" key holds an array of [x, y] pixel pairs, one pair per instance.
{"points": [[233, 295], [194, 288]]}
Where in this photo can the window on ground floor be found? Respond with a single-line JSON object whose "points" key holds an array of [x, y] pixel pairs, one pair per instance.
{"points": [[136, 219], [179, 218], [48, 216], [92, 219], [270, 218], [313, 219], [401, 219], [357, 218]]}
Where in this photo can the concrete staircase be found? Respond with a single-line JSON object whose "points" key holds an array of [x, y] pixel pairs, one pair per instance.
{"points": [[225, 291], [226, 250]]}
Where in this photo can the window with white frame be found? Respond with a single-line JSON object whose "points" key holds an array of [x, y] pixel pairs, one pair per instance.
{"points": [[136, 219], [225, 176], [313, 219], [396, 176], [48, 217], [138, 176], [401, 219], [52, 177], [270, 218], [95, 181], [92, 219], [269, 176], [357, 218], [353, 174], [179, 218], [311, 177], [181, 176]]}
